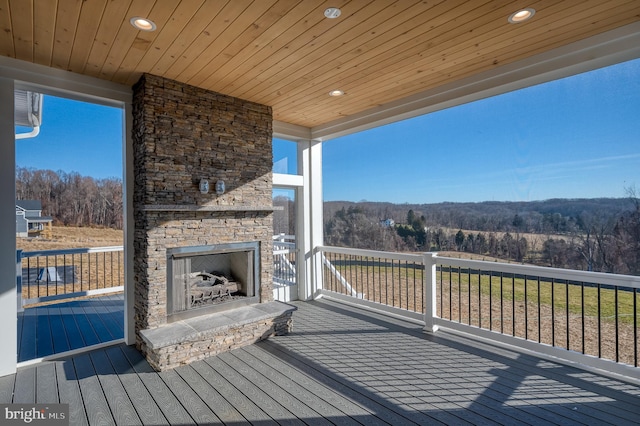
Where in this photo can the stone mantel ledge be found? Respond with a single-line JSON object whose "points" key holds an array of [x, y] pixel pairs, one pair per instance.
{"points": [[201, 327], [213, 208]]}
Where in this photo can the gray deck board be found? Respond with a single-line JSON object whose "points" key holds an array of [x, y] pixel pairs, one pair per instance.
{"points": [[27, 339], [44, 345], [286, 379], [223, 409], [105, 322], [25, 387], [171, 408], [89, 335], [371, 408], [58, 328], [96, 406], [120, 404], [69, 390], [340, 408], [533, 412], [96, 319], [189, 398], [6, 388], [147, 409], [245, 406], [60, 341], [255, 375], [258, 396], [46, 384], [340, 365], [71, 329], [567, 403], [113, 306]]}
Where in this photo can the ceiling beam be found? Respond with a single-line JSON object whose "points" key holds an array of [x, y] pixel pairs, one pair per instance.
{"points": [[56, 82], [290, 131]]}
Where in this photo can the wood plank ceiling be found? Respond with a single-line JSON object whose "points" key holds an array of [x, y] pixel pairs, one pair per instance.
{"points": [[286, 54]]}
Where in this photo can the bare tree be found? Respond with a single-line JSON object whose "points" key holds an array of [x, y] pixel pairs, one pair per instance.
{"points": [[72, 199]]}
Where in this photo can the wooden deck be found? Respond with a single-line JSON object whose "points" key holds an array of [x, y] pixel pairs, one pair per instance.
{"points": [[62, 327], [341, 365]]}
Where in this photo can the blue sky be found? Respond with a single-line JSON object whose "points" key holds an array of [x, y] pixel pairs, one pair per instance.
{"points": [[75, 137], [571, 138]]}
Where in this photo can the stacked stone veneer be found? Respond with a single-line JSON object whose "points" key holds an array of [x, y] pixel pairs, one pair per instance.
{"points": [[182, 134], [186, 341]]}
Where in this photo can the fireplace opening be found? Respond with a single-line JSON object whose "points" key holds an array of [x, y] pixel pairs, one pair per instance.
{"points": [[211, 278]]}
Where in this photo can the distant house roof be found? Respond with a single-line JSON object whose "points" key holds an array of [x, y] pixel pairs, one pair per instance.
{"points": [[29, 204], [39, 219]]}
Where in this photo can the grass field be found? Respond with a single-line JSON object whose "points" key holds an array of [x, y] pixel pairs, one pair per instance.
{"points": [[64, 237], [535, 244], [78, 272]]}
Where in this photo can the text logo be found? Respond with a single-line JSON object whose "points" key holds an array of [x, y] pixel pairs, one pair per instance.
{"points": [[34, 414]]}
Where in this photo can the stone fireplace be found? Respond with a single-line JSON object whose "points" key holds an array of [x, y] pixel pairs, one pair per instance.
{"points": [[182, 136]]}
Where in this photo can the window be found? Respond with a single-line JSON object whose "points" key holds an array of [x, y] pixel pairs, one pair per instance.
{"points": [[285, 154]]}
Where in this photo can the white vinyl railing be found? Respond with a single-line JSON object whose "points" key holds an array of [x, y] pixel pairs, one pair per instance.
{"points": [[48, 275], [393, 280], [585, 317], [284, 259]]}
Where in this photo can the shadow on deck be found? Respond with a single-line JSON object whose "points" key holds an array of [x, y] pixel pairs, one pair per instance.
{"points": [[62, 327], [341, 365]]}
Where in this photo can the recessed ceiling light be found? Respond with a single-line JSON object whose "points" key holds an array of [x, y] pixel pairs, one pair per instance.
{"points": [[336, 93], [332, 12], [522, 15], [143, 24]]}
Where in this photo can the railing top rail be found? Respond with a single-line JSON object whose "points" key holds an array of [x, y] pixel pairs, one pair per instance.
{"points": [[629, 281], [543, 271], [412, 257], [284, 244], [26, 254]]}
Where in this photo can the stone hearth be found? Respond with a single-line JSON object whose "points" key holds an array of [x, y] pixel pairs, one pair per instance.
{"points": [[192, 339], [181, 135]]}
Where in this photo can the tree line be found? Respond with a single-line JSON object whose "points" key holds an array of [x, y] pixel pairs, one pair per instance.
{"points": [[71, 199], [587, 234]]}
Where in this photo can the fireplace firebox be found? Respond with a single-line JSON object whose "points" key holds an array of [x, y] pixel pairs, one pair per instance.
{"points": [[211, 278]]}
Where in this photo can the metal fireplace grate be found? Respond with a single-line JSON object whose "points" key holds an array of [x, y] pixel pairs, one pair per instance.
{"points": [[205, 279]]}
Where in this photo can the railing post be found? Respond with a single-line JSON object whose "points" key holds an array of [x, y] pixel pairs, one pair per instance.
{"points": [[430, 295], [19, 279], [316, 272]]}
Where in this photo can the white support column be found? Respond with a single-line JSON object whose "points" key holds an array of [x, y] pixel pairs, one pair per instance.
{"points": [[8, 308], [310, 221], [430, 294], [316, 206], [303, 220]]}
